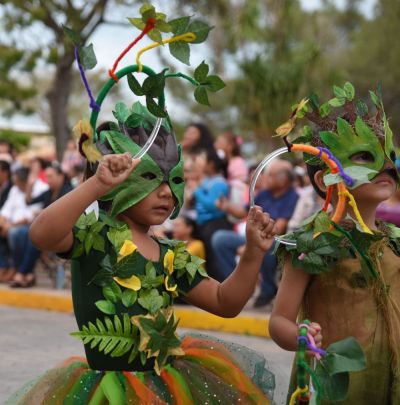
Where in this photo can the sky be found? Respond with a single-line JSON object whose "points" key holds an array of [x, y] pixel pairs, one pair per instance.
{"points": [[104, 41]]}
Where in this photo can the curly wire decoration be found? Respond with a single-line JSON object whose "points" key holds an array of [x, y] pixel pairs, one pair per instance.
{"points": [[347, 179], [93, 105]]}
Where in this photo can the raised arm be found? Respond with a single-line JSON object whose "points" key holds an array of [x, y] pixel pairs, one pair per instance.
{"points": [[228, 298], [52, 229]]}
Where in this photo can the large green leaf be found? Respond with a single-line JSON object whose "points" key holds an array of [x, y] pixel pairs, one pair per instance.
{"points": [[179, 25], [181, 51], [114, 338], [200, 29], [134, 85], [87, 57], [333, 388], [201, 72], [121, 112], [344, 355], [150, 300], [107, 307], [200, 94]]}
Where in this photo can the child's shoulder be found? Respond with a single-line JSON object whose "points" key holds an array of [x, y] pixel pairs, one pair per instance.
{"points": [[318, 245]]}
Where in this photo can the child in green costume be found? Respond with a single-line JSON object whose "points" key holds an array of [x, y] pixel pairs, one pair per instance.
{"points": [[345, 277], [124, 281]]}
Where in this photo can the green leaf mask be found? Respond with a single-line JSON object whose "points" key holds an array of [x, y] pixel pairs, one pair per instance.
{"points": [[346, 128], [347, 142], [162, 163]]}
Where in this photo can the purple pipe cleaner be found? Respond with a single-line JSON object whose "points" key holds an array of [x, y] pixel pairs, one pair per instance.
{"points": [[316, 349], [348, 180], [93, 105]]}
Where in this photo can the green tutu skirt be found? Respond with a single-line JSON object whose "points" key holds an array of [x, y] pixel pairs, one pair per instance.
{"points": [[211, 372]]}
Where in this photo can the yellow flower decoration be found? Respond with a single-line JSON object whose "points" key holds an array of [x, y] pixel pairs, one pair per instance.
{"points": [[127, 249], [167, 286], [133, 282], [169, 261], [83, 133]]}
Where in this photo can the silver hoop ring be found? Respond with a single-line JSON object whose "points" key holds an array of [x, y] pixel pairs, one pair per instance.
{"points": [[265, 163], [150, 140]]}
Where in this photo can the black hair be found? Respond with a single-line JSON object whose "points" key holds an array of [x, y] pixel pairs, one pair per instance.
{"points": [[22, 174], [220, 165], [4, 166], [311, 170], [192, 223], [234, 141], [44, 164], [206, 140]]}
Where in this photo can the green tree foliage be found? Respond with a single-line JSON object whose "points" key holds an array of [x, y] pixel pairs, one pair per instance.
{"points": [[374, 57]]}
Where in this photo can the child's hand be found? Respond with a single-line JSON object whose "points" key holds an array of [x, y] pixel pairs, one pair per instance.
{"points": [[259, 230], [114, 170], [315, 331]]}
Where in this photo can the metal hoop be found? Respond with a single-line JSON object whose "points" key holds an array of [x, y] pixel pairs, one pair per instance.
{"points": [[107, 87], [264, 163]]}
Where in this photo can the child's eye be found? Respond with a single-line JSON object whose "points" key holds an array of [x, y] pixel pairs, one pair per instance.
{"points": [[177, 180], [149, 176], [363, 157]]}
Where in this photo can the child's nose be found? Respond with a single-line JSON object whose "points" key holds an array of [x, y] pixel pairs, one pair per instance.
{"points": [[165, 190]]}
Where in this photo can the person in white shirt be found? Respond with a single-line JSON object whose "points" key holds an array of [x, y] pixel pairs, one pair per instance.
{"points": [[15, 218]]}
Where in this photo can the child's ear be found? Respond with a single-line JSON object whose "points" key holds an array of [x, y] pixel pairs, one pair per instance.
{"points": [[319, 180]]}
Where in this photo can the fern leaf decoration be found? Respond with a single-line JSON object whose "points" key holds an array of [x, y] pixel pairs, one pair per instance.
{"points": [[113, 338]]}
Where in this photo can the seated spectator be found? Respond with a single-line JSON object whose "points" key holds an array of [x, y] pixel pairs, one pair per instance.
{"points": [[309, 201], [58, 182], [227, 146], [278, 199], [389, 210], [184, 229], [58, 185], [209, 217], [15, 215], [71, 158], [196, 143]]}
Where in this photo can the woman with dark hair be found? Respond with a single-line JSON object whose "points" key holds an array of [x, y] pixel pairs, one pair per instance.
{"points": [[228, 145], [209, 217], [197, 138], [196, 143]]}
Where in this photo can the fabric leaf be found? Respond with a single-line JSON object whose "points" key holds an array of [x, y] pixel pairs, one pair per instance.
{"points": [[106, 307], [115, 339]]}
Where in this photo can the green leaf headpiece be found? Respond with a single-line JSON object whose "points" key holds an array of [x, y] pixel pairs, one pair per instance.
{"points": [[346, 127], [163, 161]]}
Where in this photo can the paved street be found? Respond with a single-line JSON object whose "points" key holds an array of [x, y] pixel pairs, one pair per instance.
{"points": [[32, 341]]}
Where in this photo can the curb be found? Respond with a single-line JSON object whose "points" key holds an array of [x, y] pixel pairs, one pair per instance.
{"points": [[191, 318]]}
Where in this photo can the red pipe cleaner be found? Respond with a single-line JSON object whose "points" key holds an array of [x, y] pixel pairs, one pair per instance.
{"points": [[150, 24]]}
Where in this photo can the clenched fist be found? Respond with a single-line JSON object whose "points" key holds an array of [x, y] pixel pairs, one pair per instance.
{"points": [[260, 230], [114, 170]]}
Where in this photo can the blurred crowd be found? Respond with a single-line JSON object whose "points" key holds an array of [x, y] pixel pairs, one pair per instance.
{"points": [[213, 218], [26, 187]]}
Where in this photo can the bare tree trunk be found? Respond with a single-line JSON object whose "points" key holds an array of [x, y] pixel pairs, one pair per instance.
{"points": [[58, 97]]}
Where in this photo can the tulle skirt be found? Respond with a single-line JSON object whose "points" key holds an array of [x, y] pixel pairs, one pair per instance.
{"points": [[211, 372]]}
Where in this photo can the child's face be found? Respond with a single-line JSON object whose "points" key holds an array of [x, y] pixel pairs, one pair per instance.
{"points": [[153, 209], [382, 186]]}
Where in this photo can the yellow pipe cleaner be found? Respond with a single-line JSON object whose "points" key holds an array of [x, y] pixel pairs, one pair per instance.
{"points": [[188, 37], [297, 393], [353, 204]]}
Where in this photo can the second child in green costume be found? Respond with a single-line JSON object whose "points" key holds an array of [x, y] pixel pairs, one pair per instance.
{"points": [[345, 277]]}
